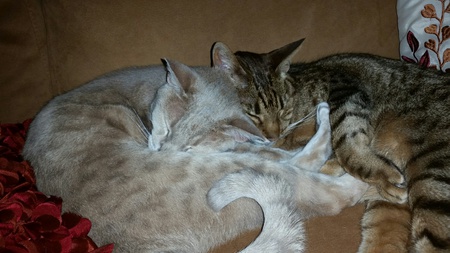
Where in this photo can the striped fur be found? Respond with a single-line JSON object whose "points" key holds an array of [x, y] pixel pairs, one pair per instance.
{"points": [[269, 106], [391, 128]]}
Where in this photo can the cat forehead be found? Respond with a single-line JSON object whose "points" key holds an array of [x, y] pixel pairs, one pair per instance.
{"points": [[250, 60], [213, 102]]}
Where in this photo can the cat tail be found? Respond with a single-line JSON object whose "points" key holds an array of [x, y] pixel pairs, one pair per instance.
{"points": [[282, 230]]}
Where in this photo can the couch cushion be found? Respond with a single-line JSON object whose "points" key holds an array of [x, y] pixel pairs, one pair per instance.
{"points": [[24, 76], [88, 38]]}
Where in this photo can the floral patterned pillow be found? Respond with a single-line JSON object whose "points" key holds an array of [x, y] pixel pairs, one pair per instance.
{"points": [[424, 31]]}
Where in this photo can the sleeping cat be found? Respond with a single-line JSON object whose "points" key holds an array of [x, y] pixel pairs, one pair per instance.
{"points": [[144, 157], [390, 127]]}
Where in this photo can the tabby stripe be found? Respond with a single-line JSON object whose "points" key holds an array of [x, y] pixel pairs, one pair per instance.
{"points": [[339, 142], [365, 100], [345, 94], [388, 162], [347, 159], [436, 206], [441, 92], [280, 101], [433, 148], [363, 173], [342, 88], [430, 126], [257, 109], [437, 242], [377, 225], [273, 100], [359, 131], [345, 115], [341, 95], [438, 163], [353, 134], [336, 105], [262, 97], [362, 102], [426, 176], [417, 141], [444, 96], [387, 205], [413, 91]]}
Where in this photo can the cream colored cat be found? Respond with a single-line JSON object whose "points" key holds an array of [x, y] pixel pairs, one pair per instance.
{"points": [[144, 158]]}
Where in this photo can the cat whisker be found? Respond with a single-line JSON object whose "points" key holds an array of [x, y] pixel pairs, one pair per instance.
{"points": [[138, 121], [296, 124]]}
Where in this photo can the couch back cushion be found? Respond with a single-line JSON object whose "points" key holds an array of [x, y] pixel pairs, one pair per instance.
{"points": [[66, 43], [24, 69]]}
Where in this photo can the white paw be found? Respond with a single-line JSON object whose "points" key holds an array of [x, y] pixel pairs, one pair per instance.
{"points": [[323, 113], [356, 188]]}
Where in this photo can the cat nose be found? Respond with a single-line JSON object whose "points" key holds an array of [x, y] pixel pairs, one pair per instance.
{"points": [[271, 131]]}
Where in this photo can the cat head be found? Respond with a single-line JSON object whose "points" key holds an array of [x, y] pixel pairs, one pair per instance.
{"points": [[263, 84], [199, 110]]}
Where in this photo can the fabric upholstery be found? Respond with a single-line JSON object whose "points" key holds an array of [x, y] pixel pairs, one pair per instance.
{"points": [[424, 32], [50, 46]]}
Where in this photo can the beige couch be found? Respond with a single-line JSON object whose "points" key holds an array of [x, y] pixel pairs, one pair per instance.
{"points": [[50, 46]]}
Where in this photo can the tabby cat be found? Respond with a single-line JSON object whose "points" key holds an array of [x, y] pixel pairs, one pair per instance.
{"points": [[390, 125], [138, 153]]}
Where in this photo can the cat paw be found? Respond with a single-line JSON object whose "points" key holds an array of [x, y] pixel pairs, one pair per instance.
{"points": [[394, 192], [390, 184], [343, 191], [376, 170], [356, 187], [323, 113]]}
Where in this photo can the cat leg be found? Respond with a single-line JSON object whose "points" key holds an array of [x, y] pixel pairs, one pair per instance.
{"points": [[284, 206], [429, 197], [385, 228], [318, 149], [352, 135], [282, 230], [319, 194], [316, 194]]}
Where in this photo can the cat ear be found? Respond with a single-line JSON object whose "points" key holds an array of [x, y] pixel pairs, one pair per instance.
{"points": [[281, 58], [179, 76], [243, 130], [170, 103], [222, 58]]}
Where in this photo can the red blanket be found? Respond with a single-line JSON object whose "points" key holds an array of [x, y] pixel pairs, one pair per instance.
{"points": [[29, 220]]}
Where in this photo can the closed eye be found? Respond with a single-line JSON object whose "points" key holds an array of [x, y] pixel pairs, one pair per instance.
{"points": [[285, 114]]}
